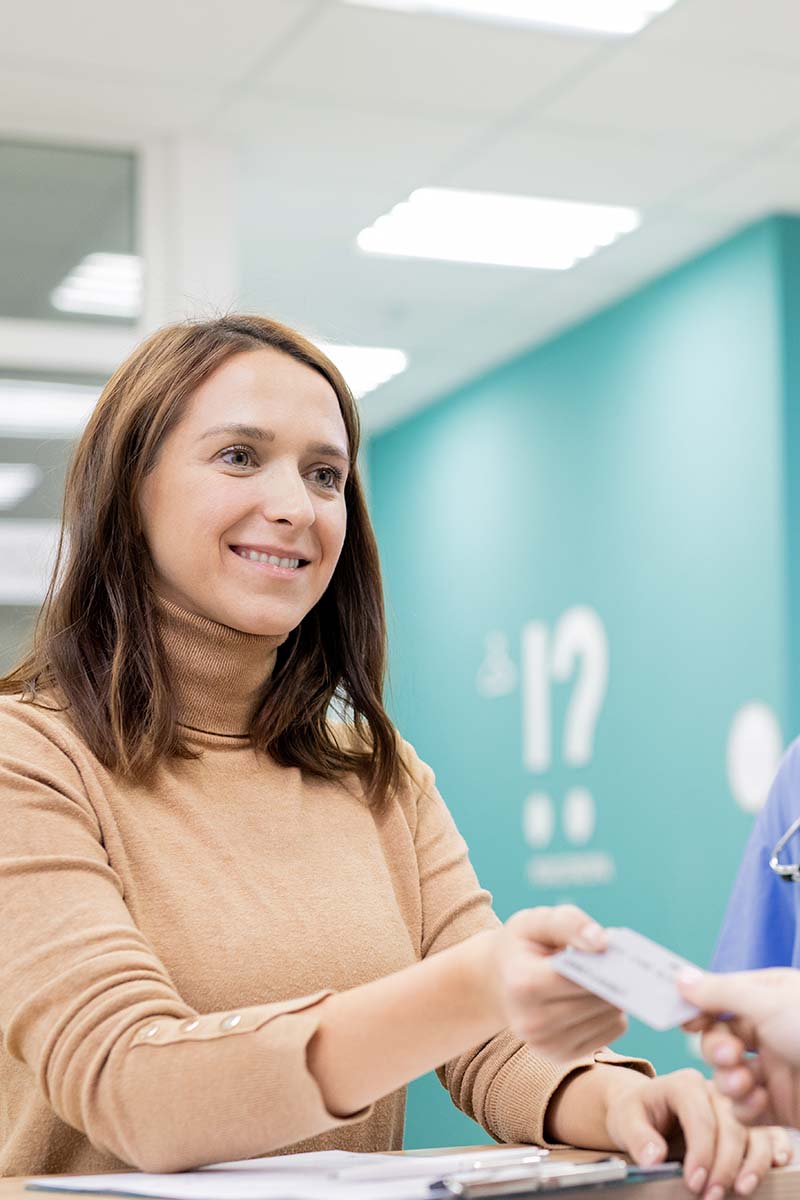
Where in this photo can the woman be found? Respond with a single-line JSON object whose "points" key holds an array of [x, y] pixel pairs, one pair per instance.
{"points": [[231, 924]]}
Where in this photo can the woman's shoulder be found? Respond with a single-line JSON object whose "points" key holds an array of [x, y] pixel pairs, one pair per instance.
{"points": [[415, 777], [357, 741], [27, 721]]}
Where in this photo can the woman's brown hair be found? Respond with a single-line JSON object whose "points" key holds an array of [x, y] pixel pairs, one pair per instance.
{"points": [[97, 641]]}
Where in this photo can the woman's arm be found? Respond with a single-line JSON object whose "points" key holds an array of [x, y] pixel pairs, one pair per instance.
{"points": [[116, 1050], [377, 1037]]}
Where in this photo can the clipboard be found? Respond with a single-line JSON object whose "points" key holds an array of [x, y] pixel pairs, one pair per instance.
{"points": [[525, 1180]]}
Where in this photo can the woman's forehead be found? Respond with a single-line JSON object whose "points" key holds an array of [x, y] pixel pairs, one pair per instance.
{"points": [[265, 387]]}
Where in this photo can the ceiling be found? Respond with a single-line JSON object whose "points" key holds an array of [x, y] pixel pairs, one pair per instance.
{"points": [[337, 112]]}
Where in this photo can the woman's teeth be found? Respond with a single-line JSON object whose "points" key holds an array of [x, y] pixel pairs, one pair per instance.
{"points": [[256, 556]]}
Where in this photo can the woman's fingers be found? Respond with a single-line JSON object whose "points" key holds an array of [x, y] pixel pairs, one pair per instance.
{"points": [[571, 1027], [732, 1145], [782, 1146], [637, 1131], [689, 1097], [590, 1035], [759, 1157], [550, 929], [542, 1007]]}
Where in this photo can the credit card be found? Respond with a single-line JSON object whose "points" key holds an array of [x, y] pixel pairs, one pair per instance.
{"points": [[634, 974]]}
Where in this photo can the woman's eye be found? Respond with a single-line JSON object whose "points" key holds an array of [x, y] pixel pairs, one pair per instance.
{"points": [[237, 456], [328, 477]]}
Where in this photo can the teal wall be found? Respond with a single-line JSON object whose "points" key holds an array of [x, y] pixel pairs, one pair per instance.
{"points": [[636, 466]]}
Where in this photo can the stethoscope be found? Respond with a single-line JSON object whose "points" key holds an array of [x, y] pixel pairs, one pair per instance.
{"points": [[790, 871]]}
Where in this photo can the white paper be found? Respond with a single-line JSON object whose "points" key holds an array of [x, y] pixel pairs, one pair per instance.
{"points": [[322, 1175]]}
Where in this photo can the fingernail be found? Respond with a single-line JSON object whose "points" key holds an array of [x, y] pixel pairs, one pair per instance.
{"points": [[594, 934], [747, 1185], [650, 1154], [715, 1192], [725, 1055], [698, 1180], [782, 1157], [690, 975]]}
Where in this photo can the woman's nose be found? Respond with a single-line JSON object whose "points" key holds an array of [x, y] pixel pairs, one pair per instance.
{"points": [[285, 498]]}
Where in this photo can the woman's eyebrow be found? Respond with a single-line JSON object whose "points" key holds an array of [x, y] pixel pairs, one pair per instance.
{"points": [[249, 431], [256, 434]]}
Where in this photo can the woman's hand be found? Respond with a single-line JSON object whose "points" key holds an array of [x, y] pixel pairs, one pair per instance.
{"points": [[765, 1087], [539, 1005], [682, 1113]]}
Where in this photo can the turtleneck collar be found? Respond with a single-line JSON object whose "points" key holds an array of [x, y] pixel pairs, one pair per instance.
{"points": [[216, 672]]}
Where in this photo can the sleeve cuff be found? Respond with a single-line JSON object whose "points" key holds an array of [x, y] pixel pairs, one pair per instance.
{"points": [[521, 1092]]}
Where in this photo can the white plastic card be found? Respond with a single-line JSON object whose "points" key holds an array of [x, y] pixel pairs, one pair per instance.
{"points": [[634, 974]]}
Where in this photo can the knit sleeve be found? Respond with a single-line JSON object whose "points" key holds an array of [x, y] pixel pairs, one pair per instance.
{"points": [[88, 1007], [504, 1084]]}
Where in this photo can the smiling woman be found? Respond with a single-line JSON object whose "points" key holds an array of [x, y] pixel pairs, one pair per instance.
{"points": [[233, 921], [175, 495]]}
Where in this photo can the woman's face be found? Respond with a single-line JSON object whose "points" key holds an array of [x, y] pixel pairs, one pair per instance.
{"points": [[254, 470]]}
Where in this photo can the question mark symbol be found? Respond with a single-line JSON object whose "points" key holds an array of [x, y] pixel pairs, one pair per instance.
{"points": [[579, 645], [581, 639]]}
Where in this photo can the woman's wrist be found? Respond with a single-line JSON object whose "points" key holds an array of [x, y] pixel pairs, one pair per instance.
{"points": [[578, 1111], [477, 977]]}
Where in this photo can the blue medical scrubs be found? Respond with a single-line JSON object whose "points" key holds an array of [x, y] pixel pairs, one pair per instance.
{"points": [[762, 923]]}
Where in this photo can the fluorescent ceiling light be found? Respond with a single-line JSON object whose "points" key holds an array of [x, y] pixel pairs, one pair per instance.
{"points": [[106, 285], [57, 410], [488, 227], [17, 480], [619, 17], [365, 367], [28, 551]]}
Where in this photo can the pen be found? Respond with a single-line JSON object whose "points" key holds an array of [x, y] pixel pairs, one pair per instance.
{"points": [[459, 1164]]}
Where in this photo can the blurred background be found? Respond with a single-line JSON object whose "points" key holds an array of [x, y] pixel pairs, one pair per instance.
{"points": [[552, 245]]}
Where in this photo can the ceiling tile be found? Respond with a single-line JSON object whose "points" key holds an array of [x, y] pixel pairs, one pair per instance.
{"points": [[313, 172], [604, 167], [678, 93], [420, 63], [752, 27], [344, 295], [296, 144], [753, 186], [64, 105], [185, 42]]}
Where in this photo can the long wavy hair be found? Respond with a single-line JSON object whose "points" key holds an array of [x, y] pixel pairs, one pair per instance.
{"points": [[97, 643]]}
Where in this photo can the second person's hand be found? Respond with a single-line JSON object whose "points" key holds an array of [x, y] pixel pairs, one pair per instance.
{"points": [[756, 1052]]}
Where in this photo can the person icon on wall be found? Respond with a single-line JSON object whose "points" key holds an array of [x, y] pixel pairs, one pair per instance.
{"points": [[497, 674]]}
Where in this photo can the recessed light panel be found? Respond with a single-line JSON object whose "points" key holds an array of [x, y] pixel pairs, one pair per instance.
{"points": [[496, 229], [28, 551], [56, 410], [365, 367], [17, 480], [615, 17], [103, 285]]}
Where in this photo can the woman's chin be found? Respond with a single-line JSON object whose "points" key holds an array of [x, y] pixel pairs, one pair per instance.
{"points": [[257, 619]]}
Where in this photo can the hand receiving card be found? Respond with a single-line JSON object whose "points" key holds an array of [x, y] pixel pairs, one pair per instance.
{"points": [[633, 974]]}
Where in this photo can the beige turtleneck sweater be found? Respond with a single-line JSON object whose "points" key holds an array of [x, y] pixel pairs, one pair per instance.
{"points": [[164, 949]]}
